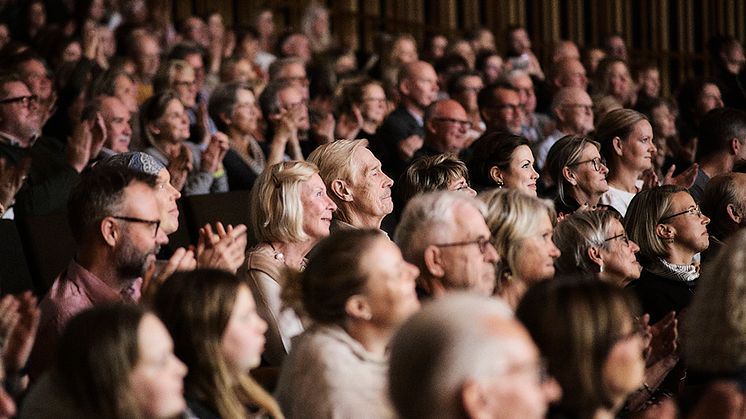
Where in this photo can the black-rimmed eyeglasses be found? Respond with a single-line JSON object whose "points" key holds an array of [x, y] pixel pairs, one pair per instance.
{"points": [[623, 237], [25, 100], [156, 223]]}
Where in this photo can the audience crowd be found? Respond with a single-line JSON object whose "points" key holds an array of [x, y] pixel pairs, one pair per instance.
{"points": [[444, 230]]}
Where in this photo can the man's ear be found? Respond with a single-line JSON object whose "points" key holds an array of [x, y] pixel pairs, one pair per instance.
{"points": [[225, 118], [473, 399], [734, 214], [735, 146], [404, 87], [357, 307], [433, 259], [341, 190], [109, 231]]}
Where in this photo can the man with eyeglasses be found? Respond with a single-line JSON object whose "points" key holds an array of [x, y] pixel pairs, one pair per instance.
{"points": [[54, 166], [444, 234], [115, 221], [572, 110], [487, 365], [446, 129], [500, 107]]}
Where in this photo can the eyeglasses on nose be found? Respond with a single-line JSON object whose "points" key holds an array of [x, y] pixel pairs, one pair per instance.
{"points": [[156, 223], [481, 241], [463, 123], [597, 163], [24, 100]]}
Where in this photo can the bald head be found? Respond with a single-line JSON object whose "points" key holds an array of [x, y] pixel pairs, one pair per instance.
{"points": [[573, 110], [418, 84], [458, 351], [569, 72], [446, 126]]}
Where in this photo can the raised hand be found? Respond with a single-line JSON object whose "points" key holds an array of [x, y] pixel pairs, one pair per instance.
{"points": [[21, 339], [181, 260], [12, 177], [225, 249], [213, 155], [179, 166], [685, 179]]}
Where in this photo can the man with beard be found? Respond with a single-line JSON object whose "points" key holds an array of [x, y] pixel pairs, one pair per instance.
{"points": [[115, 221]]}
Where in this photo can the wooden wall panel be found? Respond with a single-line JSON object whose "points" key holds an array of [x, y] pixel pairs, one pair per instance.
{"points": [[672, 33]]}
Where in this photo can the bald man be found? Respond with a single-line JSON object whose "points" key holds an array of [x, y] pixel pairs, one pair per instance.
{"points": [[446, 129]]}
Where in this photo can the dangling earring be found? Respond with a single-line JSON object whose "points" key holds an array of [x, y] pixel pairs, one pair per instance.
{"points": [[500, 184], [601, 268]]}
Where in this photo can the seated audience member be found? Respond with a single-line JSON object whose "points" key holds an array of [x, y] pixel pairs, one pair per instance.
{"points": [[722, 144], [180, 77], [613, 79], [166, 128], [568, 72], [143, 49], [626, 139], [724, 203], [499, 159], [53, 168], [445, 236], [715, 342], [402, 132], [649, 85], [695, 98], [500, 107], [234, 109], [223, 249], [579, 172], [466, 356], [443, 172], [519, 53], [355, 182], [464, 87], [291, 70], [446, 129], [290, 212], [217, 332], [727, 54], [117, 119], [597, 357], [116, 228], [572, 110], [661, 114], [357, 290], [361, 110], [595, 243], [285, 111], [113, 361], [490, 65], [521, 228], [670, 229], [535, 126]]}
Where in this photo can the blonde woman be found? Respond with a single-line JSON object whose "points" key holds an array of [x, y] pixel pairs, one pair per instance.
{"points": [[290, 213], [521, 227]]}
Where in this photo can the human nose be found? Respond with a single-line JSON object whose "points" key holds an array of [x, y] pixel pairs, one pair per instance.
{"points": [[174, 192], [181, 368], [551, 390], [705, 219], [634, 246], [160, 237], [388, 182], [330, 204], [490, 254], [534, 173], [554, 251]]}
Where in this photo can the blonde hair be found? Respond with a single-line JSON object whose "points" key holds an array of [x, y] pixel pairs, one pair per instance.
{"points": [[511, 217], [643, 216], [167, 73], [335, 160], [616, 123], [276, 207], [716, 320]]}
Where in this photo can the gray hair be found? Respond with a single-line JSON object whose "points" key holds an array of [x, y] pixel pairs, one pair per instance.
{"points": [[450, 340], [427, 219], [576, 234]]}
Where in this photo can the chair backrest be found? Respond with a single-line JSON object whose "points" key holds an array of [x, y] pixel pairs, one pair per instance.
{"points": [[49, 246], [15, 276], [228, 208]]}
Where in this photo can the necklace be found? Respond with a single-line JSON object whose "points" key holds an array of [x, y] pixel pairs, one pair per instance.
{"points": [[279, 256]]}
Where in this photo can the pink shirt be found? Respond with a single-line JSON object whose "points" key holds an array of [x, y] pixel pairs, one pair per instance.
{"points": [[75, 290]]}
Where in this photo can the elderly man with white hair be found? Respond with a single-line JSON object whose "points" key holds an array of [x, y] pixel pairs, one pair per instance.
{"points": [[444, 234], [465, 356], [355, 182]]}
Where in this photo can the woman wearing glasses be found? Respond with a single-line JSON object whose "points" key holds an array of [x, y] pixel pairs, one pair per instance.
{"points": [[521, 227], [670, 229], [597, 357], [575, 165], [362, 108], [595, 243]]}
